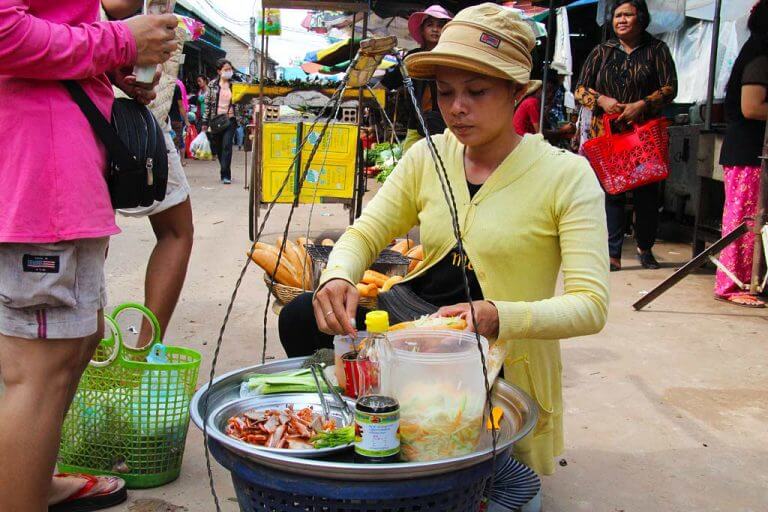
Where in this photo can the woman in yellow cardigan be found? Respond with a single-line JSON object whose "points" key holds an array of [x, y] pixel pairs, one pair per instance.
{"points": [[525, 208]]}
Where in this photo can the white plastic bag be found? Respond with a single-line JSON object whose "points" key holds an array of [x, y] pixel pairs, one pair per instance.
{"points": [[201, 147]]}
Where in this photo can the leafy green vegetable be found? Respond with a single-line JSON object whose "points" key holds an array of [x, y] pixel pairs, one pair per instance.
{"points": [[339, 437]]}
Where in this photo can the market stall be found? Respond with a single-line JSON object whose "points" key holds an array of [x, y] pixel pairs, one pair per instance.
{"points": [[264, 423]]}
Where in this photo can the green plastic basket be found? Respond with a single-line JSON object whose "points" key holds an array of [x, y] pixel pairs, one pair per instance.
{"points": [[129, 417]]}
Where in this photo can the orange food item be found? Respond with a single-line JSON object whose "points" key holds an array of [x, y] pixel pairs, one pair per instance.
{"points": [[266, 256], [368, 290], [392, 281], [373, 277], [403, 246]]}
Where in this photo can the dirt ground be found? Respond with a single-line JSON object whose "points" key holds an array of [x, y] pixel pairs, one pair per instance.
{"points": [[666, 409]]}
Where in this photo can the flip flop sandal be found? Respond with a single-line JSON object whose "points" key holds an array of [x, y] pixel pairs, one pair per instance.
{"points": [[84, 501], [754, 303]]}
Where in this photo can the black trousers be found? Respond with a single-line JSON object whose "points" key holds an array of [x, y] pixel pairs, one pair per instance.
{"points": [[299, 334], [223, 143], [646, 210]]}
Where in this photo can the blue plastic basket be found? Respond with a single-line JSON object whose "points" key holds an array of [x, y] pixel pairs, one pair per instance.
{"points": [[263, 489]]}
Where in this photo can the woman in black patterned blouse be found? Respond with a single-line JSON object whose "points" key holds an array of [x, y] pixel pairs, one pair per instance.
{"points": [[632, 75]]}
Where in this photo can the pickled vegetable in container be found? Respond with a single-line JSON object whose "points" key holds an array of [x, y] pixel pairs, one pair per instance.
{"points": [[437, 377]]}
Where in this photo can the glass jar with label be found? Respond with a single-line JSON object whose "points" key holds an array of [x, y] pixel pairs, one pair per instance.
{"points": [[377, 429]]}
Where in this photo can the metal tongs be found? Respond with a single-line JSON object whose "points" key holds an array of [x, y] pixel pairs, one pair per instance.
{"points": [[346, 411]]}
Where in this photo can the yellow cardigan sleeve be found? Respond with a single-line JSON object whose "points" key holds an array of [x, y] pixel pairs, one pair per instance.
{"points": [[583, 307], [391, 213]]}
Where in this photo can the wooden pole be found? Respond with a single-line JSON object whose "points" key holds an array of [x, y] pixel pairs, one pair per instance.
{"points": [[550, 22], [712, 66], [760, 217]]}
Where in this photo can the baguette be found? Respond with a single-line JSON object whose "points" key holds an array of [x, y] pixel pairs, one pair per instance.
{"points": [[306, 264], [403, 246], [433, 324], [265, 256], [373, 277], [391, 282], [417, 253], [290, 252], [416, 256]]}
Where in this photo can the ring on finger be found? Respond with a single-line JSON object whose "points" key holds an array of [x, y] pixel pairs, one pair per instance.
{"points": [[328, 314]]}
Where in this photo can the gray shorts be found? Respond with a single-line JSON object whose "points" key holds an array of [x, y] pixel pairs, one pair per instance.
{"points": [[52, 291]]}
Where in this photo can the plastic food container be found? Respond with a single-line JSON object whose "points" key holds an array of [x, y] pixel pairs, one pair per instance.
{"points": [[437, 377]]}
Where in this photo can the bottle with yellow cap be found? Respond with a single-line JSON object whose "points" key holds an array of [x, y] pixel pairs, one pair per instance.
{"points": [[377, 416], [376, 348]]}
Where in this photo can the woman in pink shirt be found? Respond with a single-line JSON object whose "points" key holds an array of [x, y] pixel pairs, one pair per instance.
{"points": [[55, 220], [219, 103]]}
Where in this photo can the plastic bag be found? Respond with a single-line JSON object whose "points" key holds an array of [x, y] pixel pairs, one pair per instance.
{"points": [[188, 139], [201, 147]]}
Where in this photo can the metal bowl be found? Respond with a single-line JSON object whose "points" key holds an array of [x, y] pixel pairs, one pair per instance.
{"points": [[520, 415], [217, 420]]}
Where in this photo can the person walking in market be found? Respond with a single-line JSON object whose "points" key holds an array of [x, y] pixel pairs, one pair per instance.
{"points": [[525, 210], [633, 77], [55, 222], [746, 110], [425, 28], [202, 93], [221, 118]]}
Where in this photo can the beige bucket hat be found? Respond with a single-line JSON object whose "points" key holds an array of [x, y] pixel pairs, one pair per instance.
{"points": [[488, 39]]}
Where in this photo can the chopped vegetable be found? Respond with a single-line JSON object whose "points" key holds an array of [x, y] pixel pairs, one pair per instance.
{"points": [[439, 426], [296, 381], [339, 437]]}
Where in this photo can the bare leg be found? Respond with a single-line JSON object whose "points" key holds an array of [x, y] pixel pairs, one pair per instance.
{"points": [[167, 267], [39, 378]]}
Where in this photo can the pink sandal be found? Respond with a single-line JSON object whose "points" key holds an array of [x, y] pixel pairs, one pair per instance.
{"points": [[745, 300], [111, 492]]}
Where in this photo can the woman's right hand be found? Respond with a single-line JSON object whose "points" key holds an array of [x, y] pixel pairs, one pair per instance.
{"points": [[335, 306], [609, 105], [155, 37]]}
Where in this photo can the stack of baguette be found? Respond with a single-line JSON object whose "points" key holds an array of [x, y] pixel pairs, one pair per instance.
{"points": [[295, 268], [410, 250]]}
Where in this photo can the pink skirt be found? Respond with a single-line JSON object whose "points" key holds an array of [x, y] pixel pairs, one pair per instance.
{"points": [[741, 191]]}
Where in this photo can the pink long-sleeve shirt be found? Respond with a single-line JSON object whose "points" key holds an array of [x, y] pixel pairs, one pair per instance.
{"points": [[52, 166]]}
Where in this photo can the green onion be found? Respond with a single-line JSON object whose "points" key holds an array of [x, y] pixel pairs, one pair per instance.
{"points": [[330, 438]]}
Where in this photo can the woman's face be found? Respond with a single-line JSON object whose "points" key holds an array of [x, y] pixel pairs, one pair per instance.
{"points": [[431, 30], [226, 68], [201, 82], [477, 108], [625, 22]]}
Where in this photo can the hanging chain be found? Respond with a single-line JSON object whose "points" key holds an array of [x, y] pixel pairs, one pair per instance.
{"points": [[335, 98]]}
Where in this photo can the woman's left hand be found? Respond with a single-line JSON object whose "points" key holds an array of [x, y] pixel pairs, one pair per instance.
{"points": [[126, 81], [632, 111], [486, 315]]}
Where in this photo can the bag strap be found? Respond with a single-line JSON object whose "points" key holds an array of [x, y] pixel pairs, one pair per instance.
{"points": [[116, 149]]}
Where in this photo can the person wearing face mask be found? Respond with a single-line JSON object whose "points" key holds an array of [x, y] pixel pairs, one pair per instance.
{"points": [[220, 109], [525, 209], [632, 75], [425, 28]]}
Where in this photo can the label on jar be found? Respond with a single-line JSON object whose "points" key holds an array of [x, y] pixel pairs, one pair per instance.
{"points": [[377, 435]]}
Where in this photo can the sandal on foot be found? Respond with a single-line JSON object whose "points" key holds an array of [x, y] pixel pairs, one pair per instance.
{"points": [[615, 264], [745, 300], [98, 492]]}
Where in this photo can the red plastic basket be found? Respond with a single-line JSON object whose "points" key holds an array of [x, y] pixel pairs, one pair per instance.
{"points": [[624, 161]]}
